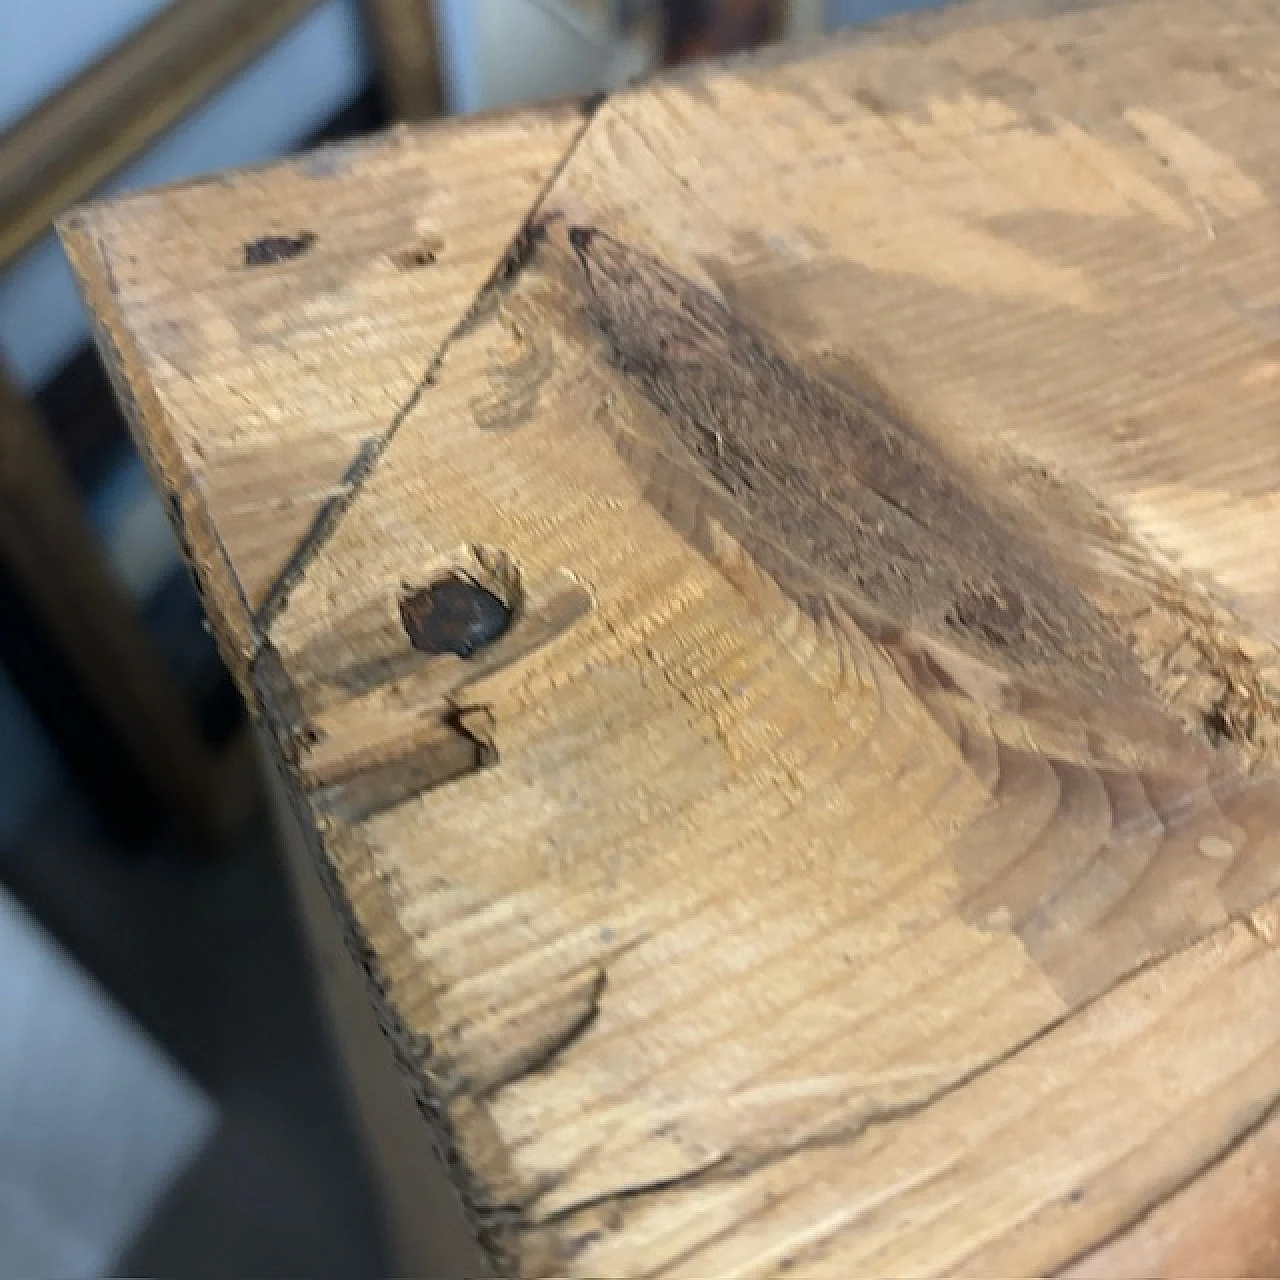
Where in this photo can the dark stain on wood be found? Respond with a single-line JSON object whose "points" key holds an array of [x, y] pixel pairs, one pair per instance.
{"points": [[857, 513], [268, 250], [424, 252], [830, 482]]}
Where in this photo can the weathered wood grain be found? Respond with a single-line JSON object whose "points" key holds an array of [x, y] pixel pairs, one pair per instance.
{"points": [[1221, 1224], [858, 855], [253, 389]]}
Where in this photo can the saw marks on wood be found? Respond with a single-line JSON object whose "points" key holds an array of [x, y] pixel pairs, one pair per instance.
{"points": [[275, 323]]}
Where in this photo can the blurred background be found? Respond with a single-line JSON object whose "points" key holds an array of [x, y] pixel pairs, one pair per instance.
{"points": [[170, 1102]]}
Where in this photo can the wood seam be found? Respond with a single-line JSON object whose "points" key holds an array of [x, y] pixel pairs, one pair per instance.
{"points": [[330, 515]]}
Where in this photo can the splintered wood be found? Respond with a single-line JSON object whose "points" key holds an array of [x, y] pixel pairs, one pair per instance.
{"points": [[851, 846]]}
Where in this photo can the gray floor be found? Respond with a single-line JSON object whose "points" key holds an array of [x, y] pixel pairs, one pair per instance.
{"points": [[207, 959]]}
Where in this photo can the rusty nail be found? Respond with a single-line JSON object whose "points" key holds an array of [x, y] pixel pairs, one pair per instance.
{"points": [[454, 615]]}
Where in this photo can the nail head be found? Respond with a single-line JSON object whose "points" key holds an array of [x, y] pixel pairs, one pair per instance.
{"points": [[454, 615]]}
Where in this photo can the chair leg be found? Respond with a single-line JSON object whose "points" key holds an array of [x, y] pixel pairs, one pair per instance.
{"points": [[48, 547], [403, 34]]}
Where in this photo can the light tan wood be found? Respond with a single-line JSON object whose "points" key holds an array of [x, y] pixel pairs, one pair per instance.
{"points": [[859, 854], [404, 38], [75, 139], [237, 380], [1225, 1223], [47, 543]]}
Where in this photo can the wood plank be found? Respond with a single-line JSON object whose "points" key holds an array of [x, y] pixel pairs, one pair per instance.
{"points": [[834, 676], [406, 230], [78, 137], [47, 543], [239, 524], [857, 854]]}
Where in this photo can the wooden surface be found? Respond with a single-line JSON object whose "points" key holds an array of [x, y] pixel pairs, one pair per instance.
{"points": [[74, 140], [239, 376], [858, 856]]}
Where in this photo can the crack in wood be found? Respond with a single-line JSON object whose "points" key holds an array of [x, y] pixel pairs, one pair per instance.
{"points": [[1265, 1114], [735, 1165], [326, 520], [543, 1052]]}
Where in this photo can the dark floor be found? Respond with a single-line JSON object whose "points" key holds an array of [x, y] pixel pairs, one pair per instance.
{"points": [[208, 959]]}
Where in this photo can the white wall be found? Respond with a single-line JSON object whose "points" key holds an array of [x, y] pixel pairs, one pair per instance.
{"points": [[97, 1122], [499, 52]]}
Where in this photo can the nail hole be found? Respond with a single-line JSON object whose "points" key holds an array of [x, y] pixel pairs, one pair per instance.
{"points": [[270, 249], [423, 254], [408, 259], [458, 613]]}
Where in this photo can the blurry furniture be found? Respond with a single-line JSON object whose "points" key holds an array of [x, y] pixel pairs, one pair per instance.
{"points": [[854, 851], [82, 134], [47, 546], [58, 154], [693, 29], [407, 50]]}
